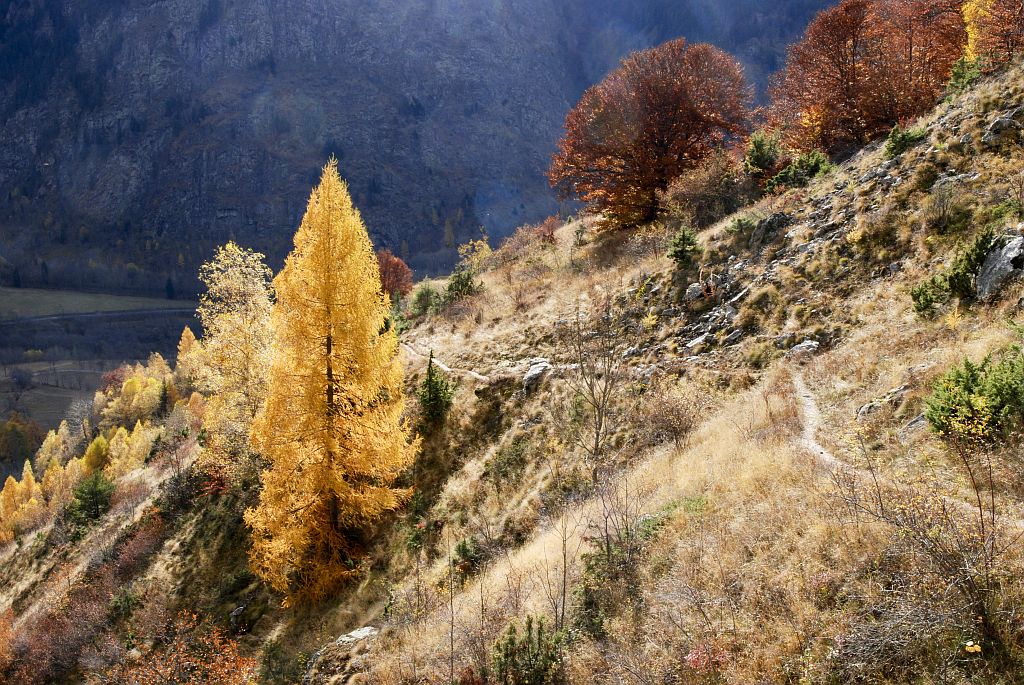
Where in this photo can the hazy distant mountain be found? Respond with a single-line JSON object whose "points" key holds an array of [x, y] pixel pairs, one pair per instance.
{"points": [[138, 135]]}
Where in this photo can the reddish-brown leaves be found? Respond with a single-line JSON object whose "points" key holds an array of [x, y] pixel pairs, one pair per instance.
{"points": [[395, 274], [864, 66], [661, 113]]}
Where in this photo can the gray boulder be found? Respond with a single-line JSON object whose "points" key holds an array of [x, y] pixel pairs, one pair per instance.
{"points": [[1001, 265], [539, 368], [1002, 131], [805, 349], [891, 398], [693, 293]]}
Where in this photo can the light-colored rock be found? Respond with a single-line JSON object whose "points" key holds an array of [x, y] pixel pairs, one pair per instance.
{"points": [[539, 368], [1002, 131], [805, 349]]}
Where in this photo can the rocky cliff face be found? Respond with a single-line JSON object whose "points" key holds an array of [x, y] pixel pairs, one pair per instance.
{"points": [[138, 135]]}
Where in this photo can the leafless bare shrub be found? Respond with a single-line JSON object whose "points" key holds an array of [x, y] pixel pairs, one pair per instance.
{"points": [[601, 400], [670, 414], [955, 571]]}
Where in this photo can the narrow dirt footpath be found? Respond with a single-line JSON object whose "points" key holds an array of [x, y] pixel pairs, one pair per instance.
{"points": [[444, 367], [811, 419]]}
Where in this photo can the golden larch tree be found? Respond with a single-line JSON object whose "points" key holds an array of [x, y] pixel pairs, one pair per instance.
{"points": [[331, 427]]}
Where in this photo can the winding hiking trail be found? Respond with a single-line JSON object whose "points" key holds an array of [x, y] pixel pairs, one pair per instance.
{"points": [[810, 417], [444, 367]]}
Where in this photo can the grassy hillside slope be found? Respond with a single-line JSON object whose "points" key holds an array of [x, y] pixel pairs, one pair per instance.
{"points": [[767, 500]]}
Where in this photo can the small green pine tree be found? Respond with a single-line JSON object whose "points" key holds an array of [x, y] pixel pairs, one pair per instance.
{"points": [[532, 658], [436, 394]]}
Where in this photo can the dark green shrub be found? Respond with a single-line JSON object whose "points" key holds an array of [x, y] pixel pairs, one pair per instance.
{"points": [[435, 395], [461, 284], [91, 499], [764, 151], [964, 74], [424, 300], [978, 402], [685, 249], [902, 139], [929, 295], [531, 658], [800, 171], [959, 280], [962, 274], [469, 557]]}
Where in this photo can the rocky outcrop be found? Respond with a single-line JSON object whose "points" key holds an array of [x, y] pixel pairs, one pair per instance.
{"points": [[1001, 265], [138, 136], [340, 660]]}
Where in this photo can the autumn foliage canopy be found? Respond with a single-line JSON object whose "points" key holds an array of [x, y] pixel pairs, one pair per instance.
{"points": [[664, 111], [395, 274], [863, 66]]}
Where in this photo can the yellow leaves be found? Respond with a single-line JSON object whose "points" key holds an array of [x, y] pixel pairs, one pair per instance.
{"points": [[974, 12], [972, 647], [96, 455], [331, 426]]}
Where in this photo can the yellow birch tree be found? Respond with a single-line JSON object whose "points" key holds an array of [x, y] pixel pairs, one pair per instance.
{"points": [[331, 427], [232, 361]]}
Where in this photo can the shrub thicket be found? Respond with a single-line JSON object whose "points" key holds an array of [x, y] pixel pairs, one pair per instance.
{"points": [[533, 657], [978, 402], [799, 172]]}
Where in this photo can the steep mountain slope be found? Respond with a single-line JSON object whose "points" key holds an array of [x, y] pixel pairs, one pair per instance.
{"points": [[770, 504], [133, 132]]}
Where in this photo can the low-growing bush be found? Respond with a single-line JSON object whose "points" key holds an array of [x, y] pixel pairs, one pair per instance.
{"points": [[533, 657], [706, 194], [979, 402], [959, 279], [902, 139], [945, 212], [424, 300], [800, 172]]}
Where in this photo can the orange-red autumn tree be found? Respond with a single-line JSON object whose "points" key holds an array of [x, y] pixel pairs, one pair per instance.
{"points": [[395, 274], [664, 111], [863, 66], [996, 30]]}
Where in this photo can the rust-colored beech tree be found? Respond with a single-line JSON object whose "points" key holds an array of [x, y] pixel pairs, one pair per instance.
{"points": [[661, 113], [395, 274], [863, 66], [996, 30]]}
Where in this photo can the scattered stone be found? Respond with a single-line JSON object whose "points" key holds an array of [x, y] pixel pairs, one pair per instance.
{"points": [[916, 424], [767, 227], [697, 342], [539, 368], [805, 349], [340, 660], [1001, 265], [733, 337], [891, 398], [694, 292], [1002, 131]]}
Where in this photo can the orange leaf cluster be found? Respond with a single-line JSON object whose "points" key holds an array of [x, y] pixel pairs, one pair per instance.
{"points": [[664, 111], [863, 66], [395, 274]]}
